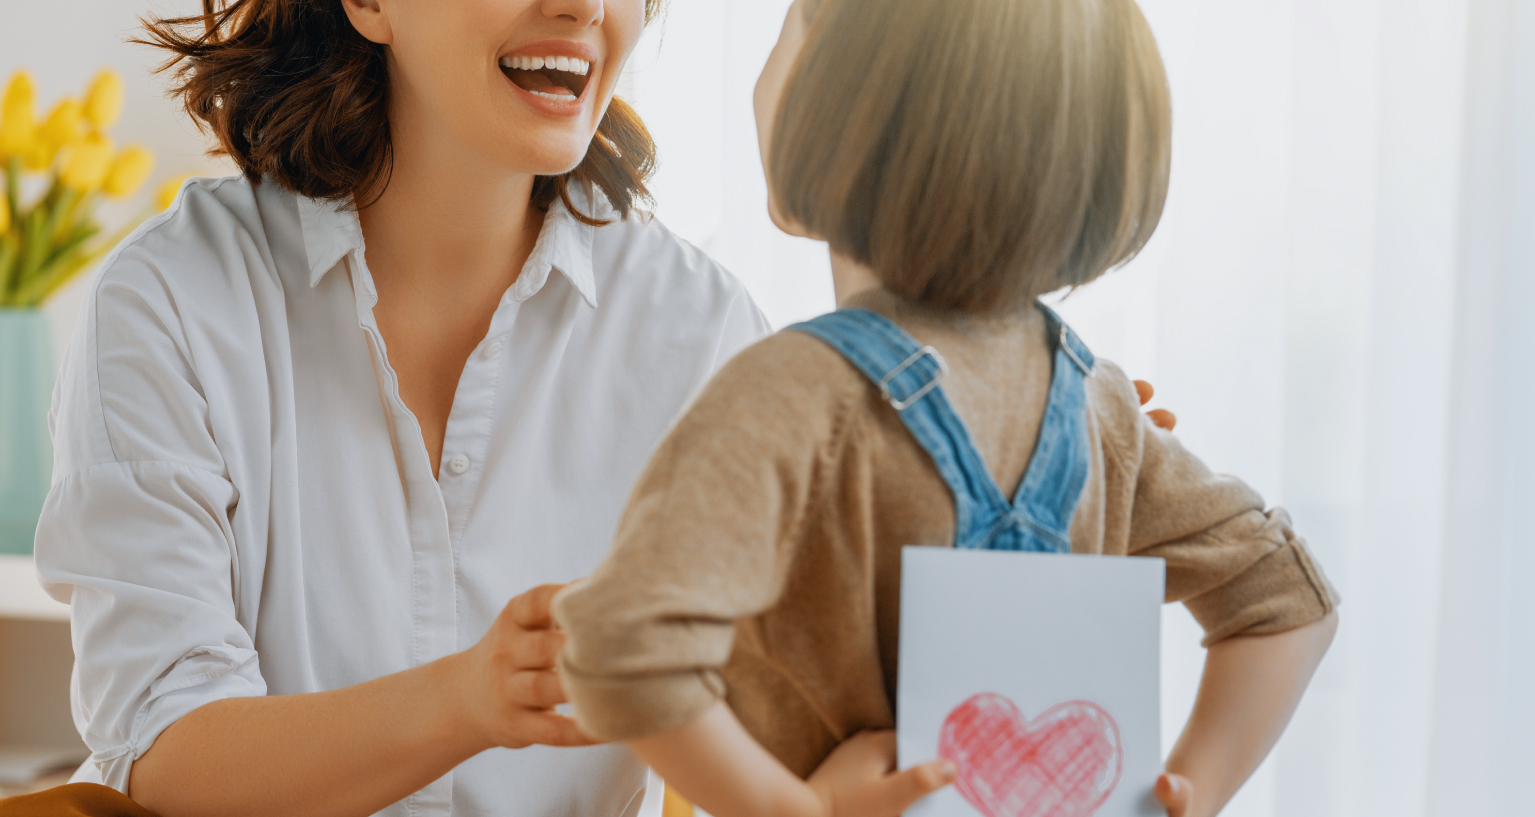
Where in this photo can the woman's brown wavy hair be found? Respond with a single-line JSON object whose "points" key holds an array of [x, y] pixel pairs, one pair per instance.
{"points": [[295, 94]]}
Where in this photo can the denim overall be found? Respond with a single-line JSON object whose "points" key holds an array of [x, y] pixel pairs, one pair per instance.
{"points": [[1039, 517]]}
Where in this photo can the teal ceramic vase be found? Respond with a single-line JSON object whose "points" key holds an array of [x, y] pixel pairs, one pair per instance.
{"points": [[26, 455]]}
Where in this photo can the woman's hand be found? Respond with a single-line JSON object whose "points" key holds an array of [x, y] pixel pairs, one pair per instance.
{"points": [[1175, 792], [1161, 418], [859, 778], [509, 686]]}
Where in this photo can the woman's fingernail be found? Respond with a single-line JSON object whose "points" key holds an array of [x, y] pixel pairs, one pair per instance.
{"points": [[1174, 784], [947, 770]]}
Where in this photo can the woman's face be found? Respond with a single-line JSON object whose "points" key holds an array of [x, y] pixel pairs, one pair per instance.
{"points": [[769, 90], [522, 84]]}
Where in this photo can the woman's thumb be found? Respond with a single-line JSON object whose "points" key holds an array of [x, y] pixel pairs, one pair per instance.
{"points": [[1175, 791]]}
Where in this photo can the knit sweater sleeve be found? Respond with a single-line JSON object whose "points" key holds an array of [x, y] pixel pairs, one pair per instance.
{"points": [[707, 539], [1238, 565]]}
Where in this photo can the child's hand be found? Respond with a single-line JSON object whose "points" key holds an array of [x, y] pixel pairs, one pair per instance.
{"points": [[1161, 418], [859, 778], [1175, 793]]}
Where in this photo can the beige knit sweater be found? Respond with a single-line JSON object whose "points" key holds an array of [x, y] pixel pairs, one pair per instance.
{"points": [[759, 557]]}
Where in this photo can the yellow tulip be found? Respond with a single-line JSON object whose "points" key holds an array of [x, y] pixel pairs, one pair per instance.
{"points": [[88, 163], [18, 118], [5, 214], [165, 194], [65, 123], [104, 100], [129, 170], [38, 154]]}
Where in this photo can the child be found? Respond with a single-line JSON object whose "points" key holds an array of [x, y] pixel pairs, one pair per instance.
{"points": [[962, 158]]}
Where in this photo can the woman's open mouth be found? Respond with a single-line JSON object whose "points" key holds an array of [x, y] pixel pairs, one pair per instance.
{"points": [[558, 79]]}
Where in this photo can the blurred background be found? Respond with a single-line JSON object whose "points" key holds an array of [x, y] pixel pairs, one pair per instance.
{"points": [[1337, 305]]}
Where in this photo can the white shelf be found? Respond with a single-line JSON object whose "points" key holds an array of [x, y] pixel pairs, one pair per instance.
{"points": [[20, 594]]}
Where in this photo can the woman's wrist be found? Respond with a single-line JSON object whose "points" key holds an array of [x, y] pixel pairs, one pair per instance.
{"points": [[455, 719]]}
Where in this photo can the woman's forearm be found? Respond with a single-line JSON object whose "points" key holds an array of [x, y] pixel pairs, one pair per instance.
{"points": [[349, 751], [1250, 688]]}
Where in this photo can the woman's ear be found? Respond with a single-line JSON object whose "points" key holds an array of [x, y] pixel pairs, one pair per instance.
{"points": [[370, 19]]}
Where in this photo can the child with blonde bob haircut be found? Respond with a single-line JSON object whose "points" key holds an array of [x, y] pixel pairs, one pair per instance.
{"points": [[961, 158]]}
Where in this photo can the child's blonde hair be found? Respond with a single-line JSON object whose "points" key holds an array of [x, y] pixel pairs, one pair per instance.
{"points": [[975, 153]]}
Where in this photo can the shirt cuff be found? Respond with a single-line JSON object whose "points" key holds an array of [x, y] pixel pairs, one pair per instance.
{"points": [[1282, 591], [616, 709], [204, 675]]}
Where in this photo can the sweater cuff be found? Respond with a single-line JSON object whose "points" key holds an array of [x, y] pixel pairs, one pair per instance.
{"points": [[627, 708], [1282, 591]]}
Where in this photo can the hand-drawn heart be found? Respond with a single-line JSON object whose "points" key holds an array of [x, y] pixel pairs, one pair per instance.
{"points": [[1064, 763]]}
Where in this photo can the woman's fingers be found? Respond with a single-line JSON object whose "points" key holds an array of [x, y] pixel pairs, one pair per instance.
{"points": [[536, 649], [531, 610], [554, 729], [1174, 791], [1144, 391], [1163, 419], [537, 689]]}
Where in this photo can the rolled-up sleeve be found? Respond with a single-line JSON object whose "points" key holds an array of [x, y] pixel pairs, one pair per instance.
{"points": [[136, 532], [1238, 566], [707, 539]]}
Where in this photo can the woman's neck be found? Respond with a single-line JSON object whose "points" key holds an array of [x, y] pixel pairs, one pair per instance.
{"points": [[448, 221]]}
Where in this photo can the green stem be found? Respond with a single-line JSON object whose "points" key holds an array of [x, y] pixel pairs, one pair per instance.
{"points": [[43, 225], [8, 249], [13, 186]]}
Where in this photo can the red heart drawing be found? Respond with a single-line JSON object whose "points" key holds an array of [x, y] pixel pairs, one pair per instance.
{"points": [[1064, 763]]}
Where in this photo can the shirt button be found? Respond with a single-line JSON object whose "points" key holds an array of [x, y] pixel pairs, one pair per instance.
{"points": [[493, 349], [458, 464]]}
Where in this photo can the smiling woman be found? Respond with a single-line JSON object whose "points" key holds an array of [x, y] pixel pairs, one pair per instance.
{"points": [[324, 419], [293, 91]]}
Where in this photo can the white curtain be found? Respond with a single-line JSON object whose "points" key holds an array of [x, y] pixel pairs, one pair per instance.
{"points": [[1336, 304]]}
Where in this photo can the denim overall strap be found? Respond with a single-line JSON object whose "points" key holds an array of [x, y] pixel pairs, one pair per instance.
{"points": [[1047, 498], [908, 376]]}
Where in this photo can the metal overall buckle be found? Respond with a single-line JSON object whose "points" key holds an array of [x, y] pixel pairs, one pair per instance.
{"points": [[926, 351]]}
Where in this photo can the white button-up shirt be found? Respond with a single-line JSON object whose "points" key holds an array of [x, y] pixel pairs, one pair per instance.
{"points": [[242, 505]]}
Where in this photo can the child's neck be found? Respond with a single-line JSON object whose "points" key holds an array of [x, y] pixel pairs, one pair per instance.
{"points": [[849, 278]]}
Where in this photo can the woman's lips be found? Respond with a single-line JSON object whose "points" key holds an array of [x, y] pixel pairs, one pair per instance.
{"points": [[553, 78]]}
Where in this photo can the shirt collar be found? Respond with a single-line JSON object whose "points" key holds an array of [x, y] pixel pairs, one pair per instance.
{"points": [[331, 231]]}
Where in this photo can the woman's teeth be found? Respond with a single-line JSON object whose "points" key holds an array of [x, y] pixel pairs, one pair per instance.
{"points": [[567, 64]]}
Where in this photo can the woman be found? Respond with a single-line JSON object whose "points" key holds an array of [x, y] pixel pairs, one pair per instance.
{"points": [[307, 452], [321, 421]]}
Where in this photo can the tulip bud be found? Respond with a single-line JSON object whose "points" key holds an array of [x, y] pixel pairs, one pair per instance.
{"points": [[88, 163], [165, 194], [5, 214], [65, 123], [104, 100], [17, 114], [38, 154], [128, 172]]}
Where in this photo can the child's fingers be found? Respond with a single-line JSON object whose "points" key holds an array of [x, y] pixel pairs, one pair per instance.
{"points": [[1163, 419], [1174, 792], [901, 789]]}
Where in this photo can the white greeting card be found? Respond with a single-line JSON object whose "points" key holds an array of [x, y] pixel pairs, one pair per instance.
{"points": [[1037, 674]]}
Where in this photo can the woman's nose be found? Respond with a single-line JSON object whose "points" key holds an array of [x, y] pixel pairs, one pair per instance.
{"points": [[581, 12]]}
